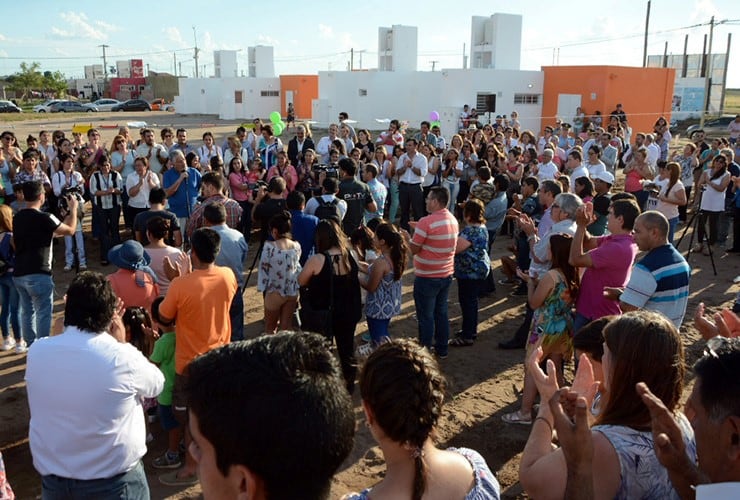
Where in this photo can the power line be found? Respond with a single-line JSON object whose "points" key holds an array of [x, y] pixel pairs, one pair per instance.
{"points": [[79, 58]]}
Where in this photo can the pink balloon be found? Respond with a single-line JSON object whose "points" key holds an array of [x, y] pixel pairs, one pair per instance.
{"points": [[433, 116]]}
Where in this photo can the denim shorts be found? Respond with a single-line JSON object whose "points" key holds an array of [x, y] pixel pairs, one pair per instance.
{"points": [[167, 418]]}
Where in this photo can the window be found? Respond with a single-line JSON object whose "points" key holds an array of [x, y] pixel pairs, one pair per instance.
{"points": [[526, 98], [238, 96], [269, 93], [362, 92]]}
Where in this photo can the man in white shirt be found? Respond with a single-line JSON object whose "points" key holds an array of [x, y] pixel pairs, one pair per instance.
{"points": [[324, 144], [412, 167], [608, 153], [653, 150], [575, 168], [639, 142], [329, 189], [547, 169], [87, 432], [156, 154]]}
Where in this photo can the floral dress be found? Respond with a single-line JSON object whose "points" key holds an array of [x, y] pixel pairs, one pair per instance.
{"points": [[552, 328], [279, 270]]}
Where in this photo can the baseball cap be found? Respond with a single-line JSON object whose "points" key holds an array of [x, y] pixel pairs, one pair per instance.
{"points": [[605, 177]]}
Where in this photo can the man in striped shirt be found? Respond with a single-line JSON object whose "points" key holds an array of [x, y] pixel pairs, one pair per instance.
{"points": [[660, 281], [433, 246]]}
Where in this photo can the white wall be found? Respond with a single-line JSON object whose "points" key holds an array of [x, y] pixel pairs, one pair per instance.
{"points": [[217, 96], [225, 64], [400, 43], [507, 41], [412, 96]]}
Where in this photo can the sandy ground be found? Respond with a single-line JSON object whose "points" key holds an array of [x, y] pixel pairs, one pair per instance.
{"points": [[484, 382]]}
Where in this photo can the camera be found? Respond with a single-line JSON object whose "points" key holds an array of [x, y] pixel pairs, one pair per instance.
{"points": [[66, 195], [255, 187], [331, 170]]}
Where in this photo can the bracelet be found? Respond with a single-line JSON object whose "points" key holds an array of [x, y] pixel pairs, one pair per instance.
{"points": [[544, 420]]}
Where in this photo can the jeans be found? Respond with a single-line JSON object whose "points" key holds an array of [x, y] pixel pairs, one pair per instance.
{"points": [[36, 293], [393, 202], [736, 228], [723, 224], [131, 485], [672, 224], [411, 198], [430, 300], [467, 292], [10, 313], [183, 223], [704, 217], [236, 313], [454, 188], [69, 247], [579, 322], [378, 329], [245, 224]]}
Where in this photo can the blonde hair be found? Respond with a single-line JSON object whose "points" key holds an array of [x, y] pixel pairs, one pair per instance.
{"points": [[6, 218]]}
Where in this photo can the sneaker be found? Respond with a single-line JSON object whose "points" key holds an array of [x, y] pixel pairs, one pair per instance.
{"points": [[171, 479], [365, 350], [519, 292], [508, 282], [67, 268], [366, 337], [20, 347], [8, 343], [83, 267], [167, 461]]}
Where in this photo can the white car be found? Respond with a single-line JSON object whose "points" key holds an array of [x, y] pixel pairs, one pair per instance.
{"points": [[102, 104], [44, 108]]}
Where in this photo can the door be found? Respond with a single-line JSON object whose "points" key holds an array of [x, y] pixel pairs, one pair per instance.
{"points": [[567, 104], [288, 100]]}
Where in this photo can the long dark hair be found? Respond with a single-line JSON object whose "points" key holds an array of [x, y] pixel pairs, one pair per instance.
{"points": [[560, 249], [719, 173], [329, 235], [136, 319], [399, 251]]}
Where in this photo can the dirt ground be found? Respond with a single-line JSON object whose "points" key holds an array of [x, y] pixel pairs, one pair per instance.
{"points": [[484, 382]]}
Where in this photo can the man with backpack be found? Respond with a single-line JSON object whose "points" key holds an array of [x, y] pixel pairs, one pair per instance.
{"points": [[327, 205], [356, 194]]}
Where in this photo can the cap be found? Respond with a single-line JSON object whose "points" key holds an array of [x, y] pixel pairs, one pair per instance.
{"points": [[605, 177]]}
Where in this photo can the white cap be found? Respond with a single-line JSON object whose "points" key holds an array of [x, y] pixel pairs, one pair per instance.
{"points": [[605, 177]]}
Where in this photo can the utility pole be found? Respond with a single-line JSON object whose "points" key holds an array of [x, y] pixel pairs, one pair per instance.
{"points": [[174, 62], [645, 44], [351, 59], [708, 75], [105, 63], [434, 64], [195, 38], [360, 52]]}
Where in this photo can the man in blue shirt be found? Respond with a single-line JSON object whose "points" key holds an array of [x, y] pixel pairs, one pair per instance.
{"points": [[303, 225], [233, 254], [182, 186]]}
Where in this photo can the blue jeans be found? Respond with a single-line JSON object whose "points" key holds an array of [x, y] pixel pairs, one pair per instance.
{"points": [[672, 224], [430, 299], [131, 485], [378, 329], [467, 293], [236, 313], [10, 313], [579, 322], [36, 292]]}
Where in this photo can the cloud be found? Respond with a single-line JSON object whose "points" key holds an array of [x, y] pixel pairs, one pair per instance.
{"points": [[704, 10], [2, 38], [326, 32], [173, 35], [76, 25], [3, 53], [267, 40], [107, 26]]}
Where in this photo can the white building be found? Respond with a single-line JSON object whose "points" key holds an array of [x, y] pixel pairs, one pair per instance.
{"points": [[369, 96], [397, 48], [496, 41], [225, 63], [230, 98], [94, 71], [123, 69], [261, 62]]}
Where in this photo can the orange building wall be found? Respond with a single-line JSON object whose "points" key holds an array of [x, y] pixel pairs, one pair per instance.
{"points": [[305, 89], [645, 93]]}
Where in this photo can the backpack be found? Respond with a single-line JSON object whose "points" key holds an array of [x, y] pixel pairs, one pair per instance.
{"points": [[328, 209]]}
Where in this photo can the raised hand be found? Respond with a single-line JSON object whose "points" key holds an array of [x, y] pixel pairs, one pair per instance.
{"points": [[547, 384]]}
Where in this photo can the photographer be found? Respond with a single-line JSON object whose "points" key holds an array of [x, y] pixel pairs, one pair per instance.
{"points": [[269, 202], [68, 183], [106, 187], [356, 194], [318, 205]]}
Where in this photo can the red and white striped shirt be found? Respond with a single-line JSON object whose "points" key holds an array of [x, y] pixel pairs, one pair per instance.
{"points": [[436, 234]]}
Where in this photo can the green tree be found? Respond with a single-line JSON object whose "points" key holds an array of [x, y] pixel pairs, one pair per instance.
{"points": [[55, 82], [27, 79]]}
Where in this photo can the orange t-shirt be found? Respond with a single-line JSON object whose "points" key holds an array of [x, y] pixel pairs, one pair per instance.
{"points": [[124, 286], [200, 303]]}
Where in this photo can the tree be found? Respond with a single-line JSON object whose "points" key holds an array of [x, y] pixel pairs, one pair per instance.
{"points": [[55, 82], [27, 79]]}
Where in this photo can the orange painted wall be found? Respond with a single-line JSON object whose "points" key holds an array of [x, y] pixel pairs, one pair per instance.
{"points": [[645, 93], [305, 89]]}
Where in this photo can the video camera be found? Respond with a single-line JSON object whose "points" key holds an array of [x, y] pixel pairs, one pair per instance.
{"points": [[255, 187], [331, 170], [66, 195]]}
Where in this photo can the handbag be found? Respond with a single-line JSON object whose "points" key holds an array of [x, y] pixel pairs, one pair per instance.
{"points": [[317, 320]]}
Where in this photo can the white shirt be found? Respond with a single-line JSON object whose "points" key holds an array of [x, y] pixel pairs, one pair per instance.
{"points": [[547, 171], [323, 148], [419, 161], [653, 154], [141, 200], [313, 204], [100, 182], [579, 171], [156, 150], [84, 393], [595, 169]]}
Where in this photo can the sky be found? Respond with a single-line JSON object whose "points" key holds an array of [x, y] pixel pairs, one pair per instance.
{"points": [[317, 36]]}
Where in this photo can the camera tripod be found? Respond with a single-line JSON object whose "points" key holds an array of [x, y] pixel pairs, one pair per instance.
{"points": [[694, 221], [256, 259]]}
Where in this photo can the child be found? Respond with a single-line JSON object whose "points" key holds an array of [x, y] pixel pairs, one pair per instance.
{"points": [[139, 334], [383, 285], [278, 275], [163, 356]]}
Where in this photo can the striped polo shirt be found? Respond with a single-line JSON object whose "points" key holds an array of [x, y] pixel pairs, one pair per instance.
{"points": [[660, 282], [436, 234]]}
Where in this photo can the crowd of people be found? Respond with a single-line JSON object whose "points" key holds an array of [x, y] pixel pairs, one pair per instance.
{"points": [[337, 223]]}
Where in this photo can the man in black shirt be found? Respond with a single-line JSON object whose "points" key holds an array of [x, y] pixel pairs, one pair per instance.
{"points": [[157, 198], [356, 194], [269, 202], [33, 233]]}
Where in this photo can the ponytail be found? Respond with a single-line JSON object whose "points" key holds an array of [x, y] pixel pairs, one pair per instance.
{"points": [[420, 480], [397, 245]]}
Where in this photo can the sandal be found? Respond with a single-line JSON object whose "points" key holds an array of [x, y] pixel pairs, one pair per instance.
{"points": [[460, 342], [517, 417]]}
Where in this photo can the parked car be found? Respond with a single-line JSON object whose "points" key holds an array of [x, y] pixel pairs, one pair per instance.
{"points": [[103, 104], [69, 107], [712, 128], [9, 107], [161, 105], [133, 105], [44, 108]]}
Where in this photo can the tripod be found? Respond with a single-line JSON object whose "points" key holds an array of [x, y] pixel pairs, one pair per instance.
{"points": [[694, 221], [256, 258]]}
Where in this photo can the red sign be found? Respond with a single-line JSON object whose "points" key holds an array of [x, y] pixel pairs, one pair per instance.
{"points": [[137, 68]]}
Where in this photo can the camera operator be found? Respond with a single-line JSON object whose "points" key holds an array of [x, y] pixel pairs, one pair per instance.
{"points": [[68, 183], [356, 194], [328, 198], [269, 202]]}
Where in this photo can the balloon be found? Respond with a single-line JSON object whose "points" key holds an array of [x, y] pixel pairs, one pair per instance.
{"points": [[275, 117], [436, 124], [433, 116], [277, 128]]}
